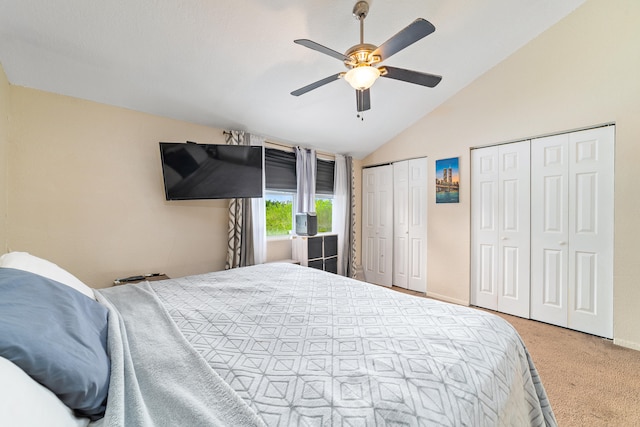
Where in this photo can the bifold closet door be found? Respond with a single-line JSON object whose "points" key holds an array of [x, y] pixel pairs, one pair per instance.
{"points": [[410, 224], [377, 224], [572, 230], [500, 215]]}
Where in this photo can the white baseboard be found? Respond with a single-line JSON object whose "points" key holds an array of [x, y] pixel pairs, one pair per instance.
{"points": [[625, 343], [447, 299]]}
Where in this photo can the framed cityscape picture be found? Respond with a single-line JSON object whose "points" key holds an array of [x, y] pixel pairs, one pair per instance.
{"points": [[447, 181]]}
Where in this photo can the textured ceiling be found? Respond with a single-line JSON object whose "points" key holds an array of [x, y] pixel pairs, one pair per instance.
{"points": [[233, 64]]}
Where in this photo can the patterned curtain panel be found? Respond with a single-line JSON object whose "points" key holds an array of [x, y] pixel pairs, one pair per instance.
{"points": [[350, 268], [341, 220], [343, 213], [234, 238]]}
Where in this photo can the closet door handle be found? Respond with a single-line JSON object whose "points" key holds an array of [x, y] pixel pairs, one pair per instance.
{"points": [[504, 238], [562, 243]]}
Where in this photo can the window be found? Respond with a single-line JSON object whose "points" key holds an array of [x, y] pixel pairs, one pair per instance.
{"points": [[280, 208], [280, 184], [324, 205], [279, 213], [280, 195], [325, 170]]}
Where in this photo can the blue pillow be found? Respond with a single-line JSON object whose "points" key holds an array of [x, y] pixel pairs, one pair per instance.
{"points": [[58, 336]]}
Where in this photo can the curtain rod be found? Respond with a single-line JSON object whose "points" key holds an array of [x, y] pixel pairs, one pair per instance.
{"points": [[289, 147]]}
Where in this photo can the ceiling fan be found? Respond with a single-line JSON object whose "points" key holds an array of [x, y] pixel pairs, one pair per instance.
{"points": [[363, 59]]}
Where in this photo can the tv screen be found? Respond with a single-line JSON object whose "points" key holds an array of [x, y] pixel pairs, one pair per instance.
{"points": [[211, 171]]}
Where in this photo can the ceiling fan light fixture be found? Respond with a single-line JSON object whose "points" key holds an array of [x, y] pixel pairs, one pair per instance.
{"points": [[362, 77]]}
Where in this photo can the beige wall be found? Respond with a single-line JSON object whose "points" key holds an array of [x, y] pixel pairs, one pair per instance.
{"points": [[278, 249], [86, 192], [4, 141], [581, 72]]}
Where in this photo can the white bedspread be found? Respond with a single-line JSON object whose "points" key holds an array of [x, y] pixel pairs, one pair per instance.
{"points": [[157, 378], [305, 347]]}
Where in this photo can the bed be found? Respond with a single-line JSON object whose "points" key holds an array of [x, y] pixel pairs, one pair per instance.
{"points": [[280, 344]]}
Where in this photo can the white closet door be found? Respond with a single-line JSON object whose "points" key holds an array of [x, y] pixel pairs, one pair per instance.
{"points": [[549, 229], [417, 224], [410, 224], [515, 227], [377, 227], [572, 230], [401, 224], [484, 227], [500, 228], [591, 164]]}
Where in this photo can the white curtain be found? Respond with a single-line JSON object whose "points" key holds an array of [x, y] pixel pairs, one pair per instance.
{"points": [[306, 177], [259, 227]]}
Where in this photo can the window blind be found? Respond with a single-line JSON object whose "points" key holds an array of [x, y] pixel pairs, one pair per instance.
{"points": [[280, 172], [324, 176]]}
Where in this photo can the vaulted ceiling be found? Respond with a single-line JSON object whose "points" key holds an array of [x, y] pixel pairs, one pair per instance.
{"points": [[233, 64]]}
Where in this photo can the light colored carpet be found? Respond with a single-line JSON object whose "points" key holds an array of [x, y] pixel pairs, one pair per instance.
{"points": [[589, 380]]}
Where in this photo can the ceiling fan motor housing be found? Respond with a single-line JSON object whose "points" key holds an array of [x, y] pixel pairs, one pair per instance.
{"points": [[360, 55]]}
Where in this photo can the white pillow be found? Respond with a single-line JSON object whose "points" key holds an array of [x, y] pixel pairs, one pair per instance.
{"points": [[25, 403], [27, 262]]}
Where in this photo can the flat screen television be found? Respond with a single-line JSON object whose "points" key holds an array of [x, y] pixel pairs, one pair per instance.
{"points": [[211, 171]]}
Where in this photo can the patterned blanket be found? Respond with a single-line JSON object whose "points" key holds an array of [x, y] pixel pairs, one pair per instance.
{"points": [[305, 347]]}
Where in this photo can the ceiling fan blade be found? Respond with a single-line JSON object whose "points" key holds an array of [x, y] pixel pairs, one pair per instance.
{"points": [[363, 100], [322, 49], [410, 34], [416, 77], [315, 85]]}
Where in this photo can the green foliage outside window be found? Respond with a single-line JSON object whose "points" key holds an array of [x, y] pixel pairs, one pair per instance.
{"points": [[279, 216], [323, 211]]}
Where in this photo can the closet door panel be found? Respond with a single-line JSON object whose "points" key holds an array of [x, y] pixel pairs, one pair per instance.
{"points": [[549, 229], [514, 228], [591, 158], [484, 227], [368, 223], [586, 289], [487, 263], [401, 224], [377, 228], [417, 224], [384, 229], [554, 278]]}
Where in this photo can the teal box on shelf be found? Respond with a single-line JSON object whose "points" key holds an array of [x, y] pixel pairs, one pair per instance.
{"points": [[306, 224]]}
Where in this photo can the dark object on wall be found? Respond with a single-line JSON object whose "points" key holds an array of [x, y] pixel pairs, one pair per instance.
{"points": [[306, 224], [211, 171]]}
